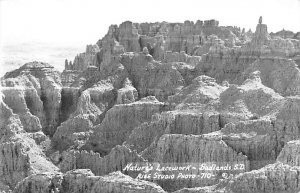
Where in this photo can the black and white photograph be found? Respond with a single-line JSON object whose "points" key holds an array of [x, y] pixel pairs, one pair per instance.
{"points": [[159, 96]]}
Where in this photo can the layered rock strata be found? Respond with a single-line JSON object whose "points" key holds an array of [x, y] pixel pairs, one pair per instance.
{"points": [[85, 181], [157, 93], [20, 155], [43, 92]]}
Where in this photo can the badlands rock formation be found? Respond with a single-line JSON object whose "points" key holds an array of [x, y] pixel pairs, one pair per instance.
{"points": [[161, 95], [77, 181]]}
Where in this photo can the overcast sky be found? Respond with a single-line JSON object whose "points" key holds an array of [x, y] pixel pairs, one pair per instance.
{"points": [[80, 22]]}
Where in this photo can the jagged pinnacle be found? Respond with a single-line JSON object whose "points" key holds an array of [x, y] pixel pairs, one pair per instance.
{"points": [[260, 20]]}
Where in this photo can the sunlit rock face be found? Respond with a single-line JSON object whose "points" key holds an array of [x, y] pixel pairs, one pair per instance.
{"points": [[20, 154], [42, 93], [160, 94], [83, 60], [83, 180]]}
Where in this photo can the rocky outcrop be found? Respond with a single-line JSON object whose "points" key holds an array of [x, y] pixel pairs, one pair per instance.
{"points": [[202, 147], [127, 94], [83, 60], [221, 62], [204, 107], [258, 181], [228, 63], [46, 82], [290, 154], [172, 122], [20, 156], [256, 139], [261, 35], [116, 160], [286, 122], [128, 37], [42, 182], [120, 120], [189, 36], [68, 77], [151, 77], [161, 94], [251, 99], [98, 93], [159, 38], [272, 178], [91, 104], [197, 150], [15, 98], [225, 51], [113, 71], [179, 36], [110, 50], [181, 57], [203, 89], [280, 74], [85, 181], [86, 61]]}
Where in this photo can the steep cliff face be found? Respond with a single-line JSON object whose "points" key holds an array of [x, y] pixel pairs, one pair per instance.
{"points": [[69, 99], [286, 122], [15, 98], [249, 100], [46, 82], [228, 63], [83, 60], [116, 160], [166, 42], [20, 156], [179, 36], [85, 181], [92, 99], [262, 180], [219, 52], [204, 107], [69, 76], [290, 154], [157, 93], [91, 104], [280, 74], [256, 139], [172, 122], [151, 77], [181, 57], [42, 182], [202, 90], [120, 120], [273, 178], [110, 50], [128, 36], [197, 150], [127, 94]]}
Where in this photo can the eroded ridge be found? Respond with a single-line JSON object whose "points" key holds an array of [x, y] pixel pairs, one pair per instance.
{"points": [[218, 102]]}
